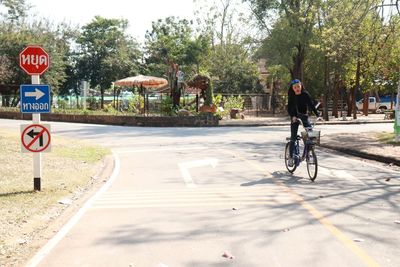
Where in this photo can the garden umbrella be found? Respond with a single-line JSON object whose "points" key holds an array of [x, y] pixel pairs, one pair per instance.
{"points": [[142, 81]]}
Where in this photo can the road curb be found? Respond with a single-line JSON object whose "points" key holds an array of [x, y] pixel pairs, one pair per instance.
{"points": [[365, 155], [287, 123]]}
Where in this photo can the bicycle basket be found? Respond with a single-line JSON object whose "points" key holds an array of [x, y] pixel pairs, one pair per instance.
{"points": [[311, 136]]}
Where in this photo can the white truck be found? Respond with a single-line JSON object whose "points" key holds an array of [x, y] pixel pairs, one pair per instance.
{"points": [[375, 106]]}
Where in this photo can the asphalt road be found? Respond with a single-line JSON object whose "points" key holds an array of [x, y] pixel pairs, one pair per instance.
{"points": [[186, 196]]}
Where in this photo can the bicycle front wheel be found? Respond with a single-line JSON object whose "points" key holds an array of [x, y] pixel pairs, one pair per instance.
{"points": [[312, 164], [292, 168]]}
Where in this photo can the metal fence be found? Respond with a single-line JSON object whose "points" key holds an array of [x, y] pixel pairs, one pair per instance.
{"points": [[152, 104]]}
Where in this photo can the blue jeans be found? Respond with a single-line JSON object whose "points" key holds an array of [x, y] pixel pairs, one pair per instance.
{"points": [[294, 127]]}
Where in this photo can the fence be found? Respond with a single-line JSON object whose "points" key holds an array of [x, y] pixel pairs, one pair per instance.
{"points": [[153, 104]]}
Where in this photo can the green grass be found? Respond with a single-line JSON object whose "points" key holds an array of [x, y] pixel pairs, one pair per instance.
{"points": [[67, 171], [388, 138], [90, 154]]}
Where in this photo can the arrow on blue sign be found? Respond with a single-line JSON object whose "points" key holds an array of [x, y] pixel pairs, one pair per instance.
{"points": [[35, 98], [38, 94]]}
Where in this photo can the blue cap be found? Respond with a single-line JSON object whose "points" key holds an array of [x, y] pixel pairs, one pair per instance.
{"points": [[294, 81]]}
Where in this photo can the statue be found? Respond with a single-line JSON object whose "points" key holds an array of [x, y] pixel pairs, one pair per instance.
{"points": [[203, 83]]}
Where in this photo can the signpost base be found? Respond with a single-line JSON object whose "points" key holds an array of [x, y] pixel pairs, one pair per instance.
{"points": [[36, 184]]}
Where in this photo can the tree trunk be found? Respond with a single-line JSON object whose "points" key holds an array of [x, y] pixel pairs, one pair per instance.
{"points": [[335, 107], [77, 102], [326, 94], [173, 83], [350, 101], [298, 59], [102, 98], [366, 104], [176, 97], [114, 103], [358, 73]]}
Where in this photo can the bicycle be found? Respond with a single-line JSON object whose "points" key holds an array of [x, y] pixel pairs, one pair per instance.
{"points": [[310, 138]]}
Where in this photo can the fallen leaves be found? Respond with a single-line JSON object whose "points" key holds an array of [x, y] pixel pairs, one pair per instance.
{"points": [[228, 255]]}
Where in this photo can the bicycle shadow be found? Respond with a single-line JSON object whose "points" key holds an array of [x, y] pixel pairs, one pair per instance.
{"points": [[287, 177]]}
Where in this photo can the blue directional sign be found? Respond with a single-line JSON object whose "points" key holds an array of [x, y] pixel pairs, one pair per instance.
{"points": [[35, 98]]}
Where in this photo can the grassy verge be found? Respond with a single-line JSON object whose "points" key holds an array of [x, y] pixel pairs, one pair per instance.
{"points": [[67, 172], [388, 138]]}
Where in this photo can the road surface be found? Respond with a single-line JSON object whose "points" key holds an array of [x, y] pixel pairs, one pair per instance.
{"points": [[198, 196]]}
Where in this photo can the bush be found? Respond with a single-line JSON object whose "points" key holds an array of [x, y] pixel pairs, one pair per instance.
{"points": [[231, 102], [136, 104], [109, 108], [61, 103], [93, 103], [167, 106]]}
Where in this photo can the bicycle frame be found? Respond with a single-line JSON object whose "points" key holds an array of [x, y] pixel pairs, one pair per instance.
{"points": [[307, 147], [310, 139]]}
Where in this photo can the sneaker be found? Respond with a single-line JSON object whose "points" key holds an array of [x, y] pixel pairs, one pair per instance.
{"points": [[290, 162]]}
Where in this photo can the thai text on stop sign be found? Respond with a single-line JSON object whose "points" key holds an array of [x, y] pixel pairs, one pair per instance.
{"points": [[35, 60]]}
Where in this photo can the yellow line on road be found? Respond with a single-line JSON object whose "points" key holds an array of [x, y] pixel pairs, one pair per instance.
{"points": [[362, 255]]}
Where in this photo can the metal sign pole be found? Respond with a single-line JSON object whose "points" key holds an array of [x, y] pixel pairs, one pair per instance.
{"points": [[37, 157]]}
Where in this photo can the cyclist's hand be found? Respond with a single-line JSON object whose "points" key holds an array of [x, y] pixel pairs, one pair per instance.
{"points": [[294, 119]]}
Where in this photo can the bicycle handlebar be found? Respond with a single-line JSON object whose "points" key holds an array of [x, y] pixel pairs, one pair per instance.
{"points": [[312, 123]]}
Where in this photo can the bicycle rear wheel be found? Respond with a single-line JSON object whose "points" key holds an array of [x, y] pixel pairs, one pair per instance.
{"points": [[291, 169], [312, 164]]}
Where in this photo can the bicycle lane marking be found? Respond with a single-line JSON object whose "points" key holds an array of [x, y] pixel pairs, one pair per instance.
{"points": [[358, 251], [62, 233], [341, 174]]}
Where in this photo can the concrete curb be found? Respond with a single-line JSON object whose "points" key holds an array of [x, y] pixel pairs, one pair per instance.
{"points": [[287, 123], [365, 155]]}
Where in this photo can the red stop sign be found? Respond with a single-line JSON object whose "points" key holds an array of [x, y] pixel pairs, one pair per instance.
{"points": [[34, 60]]}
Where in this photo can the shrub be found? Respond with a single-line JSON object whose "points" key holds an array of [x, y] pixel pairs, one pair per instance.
{"points": [[167, 106], [136, 104], [62, 104], [230, 103]]}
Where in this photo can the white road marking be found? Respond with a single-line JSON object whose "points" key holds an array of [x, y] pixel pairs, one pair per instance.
{"points": [[199, 197], [44, 251], [121, 151], [339, 174], [185, 166]]}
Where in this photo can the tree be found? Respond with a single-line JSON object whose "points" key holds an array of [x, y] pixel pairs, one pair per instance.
{"points": [[351, 37], [106, 53], [229, 62], [171, 46], [16, 33], [16, 10], [296, 21], [232, 69]]}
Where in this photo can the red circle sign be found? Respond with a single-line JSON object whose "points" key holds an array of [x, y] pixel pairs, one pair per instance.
{"points": [[34, 60], [35, 138]]}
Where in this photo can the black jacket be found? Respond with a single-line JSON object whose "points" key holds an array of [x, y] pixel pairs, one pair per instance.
{"points": [[298, 105]]}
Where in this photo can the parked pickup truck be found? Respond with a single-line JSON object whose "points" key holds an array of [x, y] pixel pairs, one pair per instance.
{"points": [[376, 106]]}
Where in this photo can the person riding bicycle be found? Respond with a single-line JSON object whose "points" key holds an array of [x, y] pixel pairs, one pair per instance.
{"points": [[299, 103]]}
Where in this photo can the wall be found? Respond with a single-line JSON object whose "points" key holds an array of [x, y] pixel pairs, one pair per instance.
{"points": [[205, 120]]}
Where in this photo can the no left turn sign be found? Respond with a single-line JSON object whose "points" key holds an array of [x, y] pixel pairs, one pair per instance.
{"points": [[35, 138]]}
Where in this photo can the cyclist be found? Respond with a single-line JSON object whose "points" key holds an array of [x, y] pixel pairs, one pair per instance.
{"points": [[299, 103]]}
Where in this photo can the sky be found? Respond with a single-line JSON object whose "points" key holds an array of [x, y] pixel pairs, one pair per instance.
{"points": [[139, 13]]}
